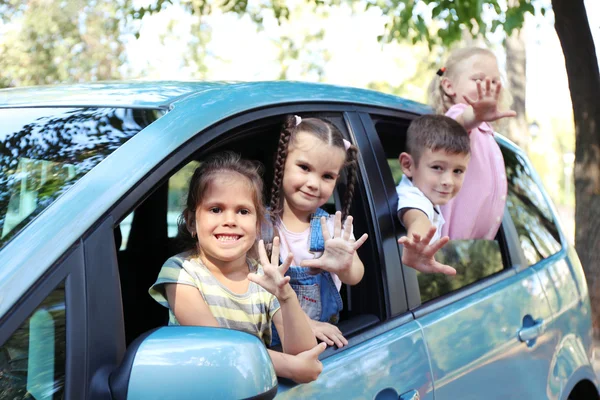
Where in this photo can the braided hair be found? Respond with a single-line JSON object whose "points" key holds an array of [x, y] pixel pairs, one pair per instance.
{"points": [[329, 134]]}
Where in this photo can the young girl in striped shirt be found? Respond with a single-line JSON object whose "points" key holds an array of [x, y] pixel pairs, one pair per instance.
{"points": [[219, 283]]}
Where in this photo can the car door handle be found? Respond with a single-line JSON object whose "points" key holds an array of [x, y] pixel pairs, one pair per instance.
{"points": [[531, 332]]}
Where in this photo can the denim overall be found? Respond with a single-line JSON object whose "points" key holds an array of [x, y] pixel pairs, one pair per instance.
{"points": [[317, 294]]}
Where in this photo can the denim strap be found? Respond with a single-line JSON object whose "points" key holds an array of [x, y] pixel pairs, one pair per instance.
{"points": [[317, 242]]}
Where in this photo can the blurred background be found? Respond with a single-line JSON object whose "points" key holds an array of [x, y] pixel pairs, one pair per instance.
{"points": [[344, 42]]}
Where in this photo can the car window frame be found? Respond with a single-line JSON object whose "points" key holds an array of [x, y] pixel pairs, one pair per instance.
{"points": [[205, 139], [510, 248], [69, 269]]}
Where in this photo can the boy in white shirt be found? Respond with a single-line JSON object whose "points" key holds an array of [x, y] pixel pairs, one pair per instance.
{"points": [[434, 167]]}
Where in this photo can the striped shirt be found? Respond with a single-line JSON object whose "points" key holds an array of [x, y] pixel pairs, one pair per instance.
{"points": [[250, 312]]}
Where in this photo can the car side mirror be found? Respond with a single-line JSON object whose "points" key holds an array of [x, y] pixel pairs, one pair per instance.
{"points": [[192, 362]]}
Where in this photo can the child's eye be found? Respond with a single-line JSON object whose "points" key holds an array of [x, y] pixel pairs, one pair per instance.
{"points": [[244, 211], [459, 171], [328, 177], [303, 167], [214, 210], [436, 168]]}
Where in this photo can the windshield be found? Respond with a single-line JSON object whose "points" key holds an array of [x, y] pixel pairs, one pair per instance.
{"points": [[44, 151]]}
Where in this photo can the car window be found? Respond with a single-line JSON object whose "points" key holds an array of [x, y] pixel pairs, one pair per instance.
{"points": [[32, 360], [152, 233], [178, 188], [530, 212], [44, 151], [474, 260]]}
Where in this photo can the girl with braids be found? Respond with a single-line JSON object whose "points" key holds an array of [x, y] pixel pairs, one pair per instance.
{"points": [[310, 157]]}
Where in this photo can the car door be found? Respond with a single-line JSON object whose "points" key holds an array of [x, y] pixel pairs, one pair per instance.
{"points": [[484, 328], [386, 355], [545, 249]]}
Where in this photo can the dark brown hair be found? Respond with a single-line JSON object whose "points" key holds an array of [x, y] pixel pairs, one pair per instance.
{"points": [[215, 165], [330, 135], [436, 132]]}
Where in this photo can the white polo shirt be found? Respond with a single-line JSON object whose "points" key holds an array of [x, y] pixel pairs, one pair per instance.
{"points": [[409, 196]]}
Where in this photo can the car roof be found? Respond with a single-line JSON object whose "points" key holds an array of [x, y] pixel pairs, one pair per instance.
{"points": [[164, 94]]}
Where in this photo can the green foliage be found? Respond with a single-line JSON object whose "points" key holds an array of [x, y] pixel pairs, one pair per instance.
{"points": [[435, 22], [473, 260], [49, 42]]}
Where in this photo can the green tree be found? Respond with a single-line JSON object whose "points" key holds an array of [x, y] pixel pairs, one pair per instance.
{"points": [[52, 42]]}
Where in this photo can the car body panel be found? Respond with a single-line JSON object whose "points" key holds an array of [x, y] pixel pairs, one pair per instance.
{"points": [[474, 347], [565, 286], [394, 362]]}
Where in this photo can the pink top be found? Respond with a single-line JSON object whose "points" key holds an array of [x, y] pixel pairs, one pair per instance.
{"points": [[477, 209]]}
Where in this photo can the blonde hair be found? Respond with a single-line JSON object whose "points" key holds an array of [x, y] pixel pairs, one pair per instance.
{"points": [[440, 101]]}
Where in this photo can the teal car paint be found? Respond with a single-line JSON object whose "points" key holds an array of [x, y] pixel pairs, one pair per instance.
{"points": [[524, 332], [357, 370], [161, 368]]}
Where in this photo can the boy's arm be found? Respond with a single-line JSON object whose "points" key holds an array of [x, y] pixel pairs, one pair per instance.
{"points": [[415, 221], [418, 253]]}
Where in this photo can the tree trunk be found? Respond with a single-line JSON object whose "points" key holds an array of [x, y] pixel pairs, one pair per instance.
{"points": [[517, 129], [574, 33]]}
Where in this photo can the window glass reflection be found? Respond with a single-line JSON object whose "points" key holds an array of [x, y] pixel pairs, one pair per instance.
{"points": [[32, 361], [529, 210], [44, 151]]}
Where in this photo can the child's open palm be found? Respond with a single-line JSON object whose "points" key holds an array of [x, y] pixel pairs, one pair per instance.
{"points": [[339, 247], [485, 106], [419, 254], [273, 280]]}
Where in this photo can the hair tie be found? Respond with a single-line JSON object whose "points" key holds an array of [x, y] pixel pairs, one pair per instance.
{"points": [[347, 144], [441, 71], [298, 120]]}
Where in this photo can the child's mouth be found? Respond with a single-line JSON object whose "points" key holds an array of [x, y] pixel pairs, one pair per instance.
{"points": [[227, 238]]}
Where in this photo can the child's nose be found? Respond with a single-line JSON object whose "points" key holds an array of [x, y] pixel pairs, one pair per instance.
{"points": [[446, 180], [229, 218], [312, 182]]}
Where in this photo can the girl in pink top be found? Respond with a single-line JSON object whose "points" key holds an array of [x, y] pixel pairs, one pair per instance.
{"points": [[468, 89]]}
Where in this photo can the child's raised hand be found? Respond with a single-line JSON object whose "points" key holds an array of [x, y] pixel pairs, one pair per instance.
{"points": [[273, 280], [339, 248], [419, 254], [485, 106], [328, 333]]}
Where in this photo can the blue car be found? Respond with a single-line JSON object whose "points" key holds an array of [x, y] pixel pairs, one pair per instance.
{"points": [[92, 178]]}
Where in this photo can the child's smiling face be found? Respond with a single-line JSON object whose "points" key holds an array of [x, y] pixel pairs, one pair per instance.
{"points": [[473, 69], [310, 173], [226, 221], [438, 174]]}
